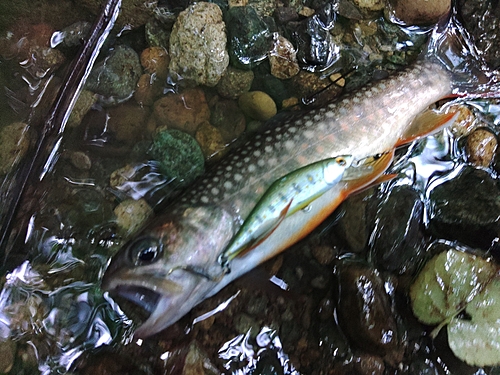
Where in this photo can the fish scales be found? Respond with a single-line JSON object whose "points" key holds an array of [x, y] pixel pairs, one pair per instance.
{"points": [[381, 110]]}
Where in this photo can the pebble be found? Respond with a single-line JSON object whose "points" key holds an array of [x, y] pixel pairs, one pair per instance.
{"points": [[149, 88], [257, 105], [465, 122], [235, 82], [229, 119], [210, 140], [466, 208], [283, 59], [155, 60], [132, 214], [249, 37], [7, 355], [14, 143], [179, 155], [127, 122], [481, 147], [72, 35], [198, 44], [420, 12], [83, 104], [156, 34], [369, 5], [184, 111], [80, 160], [115, 78]]}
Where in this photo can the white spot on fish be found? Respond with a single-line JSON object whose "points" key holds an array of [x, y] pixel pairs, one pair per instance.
{"points": [[261, 162], [257, 144], [229, 168], [272, 162], [292, 129], [215, 191], [268, 149], [246, 160], [269, 139], [355, 99], [382, 86], [204, 199], [251, 168], [289, 145], [228, 185], [309, 134], [257, 153], [238, 177], [308, 123]]}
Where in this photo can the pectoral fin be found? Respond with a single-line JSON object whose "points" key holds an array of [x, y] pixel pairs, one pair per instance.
{"points": [[426, 123]]}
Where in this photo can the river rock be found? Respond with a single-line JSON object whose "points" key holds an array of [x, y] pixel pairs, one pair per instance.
{"points": [[179, 155], [14, 143], [83, 104], [132, 214], [397, 240], [127, 122], [249, 37], [149, 88], [133, 13], [466, 208], [7, 355], [155, 60], [365, 313], [420, 12], [481, 147], [210, 140], [115, 78], [283, 59], [198, 44], [184, 111], [257, 105], [229, 119], [235, 82]]}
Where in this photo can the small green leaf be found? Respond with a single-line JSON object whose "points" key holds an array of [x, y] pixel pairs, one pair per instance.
{"points": [[477, 340], [447, 283]]}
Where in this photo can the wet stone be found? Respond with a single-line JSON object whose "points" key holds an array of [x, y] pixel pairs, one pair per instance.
{"points": [[229, 120], [80, 160], [283, 59], [179, 155], [466, 208], [235, 82], [198, 44], [324, 255], [365, 313], [83, 104], [481, 147], [257, 105], [115, 78], [155, 60], [127, 122], [156, 34], [210, 140], [420, 12], [132, 214], [184, 111], [75, 34], [149, 88], [7, 355], [249, 37], [397, 240], [14, 143]]}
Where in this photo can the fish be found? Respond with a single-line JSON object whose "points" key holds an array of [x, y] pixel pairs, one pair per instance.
{"points": [[283, 198], [168, 268]]}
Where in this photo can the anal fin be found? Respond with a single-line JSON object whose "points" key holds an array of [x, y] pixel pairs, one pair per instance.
{"points": [[424, 124]]}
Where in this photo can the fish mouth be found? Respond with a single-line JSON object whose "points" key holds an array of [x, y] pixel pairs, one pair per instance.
{"points": [[138, 296]]}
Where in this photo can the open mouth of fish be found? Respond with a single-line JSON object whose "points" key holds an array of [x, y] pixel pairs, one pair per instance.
{"points": [[133, 298]]}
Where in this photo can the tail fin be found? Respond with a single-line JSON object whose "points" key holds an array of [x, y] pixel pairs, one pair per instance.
{"points": [[452, 45]]}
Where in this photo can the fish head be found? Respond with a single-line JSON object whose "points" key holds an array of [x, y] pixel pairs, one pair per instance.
{"points": [[171, 265]]}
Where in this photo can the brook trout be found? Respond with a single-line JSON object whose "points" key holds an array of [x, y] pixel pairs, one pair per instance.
{"points": [[168, 268]]}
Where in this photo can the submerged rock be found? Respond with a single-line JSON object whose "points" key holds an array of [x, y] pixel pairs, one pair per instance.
{"points": [[466, 208], [179, 155], [481, 147], [397, 241], [210, 140], [115, 78], [229, 120], [283, 59], [249, 37], [235, 82], [14, 143], [132, 214], [184, 111], [155, 60], [420, 12], [198, 44], [365, 313], [257, 105]]}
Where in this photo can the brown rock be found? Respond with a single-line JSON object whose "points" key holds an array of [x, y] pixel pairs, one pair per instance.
{"points": [[210, 140], [185, 111], [128, 122], [420, 12], [481, 147], [229, 119], [283, 59], [149, 87], [155, 60]]}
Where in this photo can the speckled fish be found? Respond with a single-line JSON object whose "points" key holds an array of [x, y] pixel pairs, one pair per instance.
{"points": [[166, 269]]}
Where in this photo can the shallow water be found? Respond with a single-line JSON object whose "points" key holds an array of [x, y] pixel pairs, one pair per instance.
{"points": [[280, 319]]}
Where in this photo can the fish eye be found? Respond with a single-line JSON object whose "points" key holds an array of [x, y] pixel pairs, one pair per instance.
{"points": [[145, 250], [341, 161]]}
